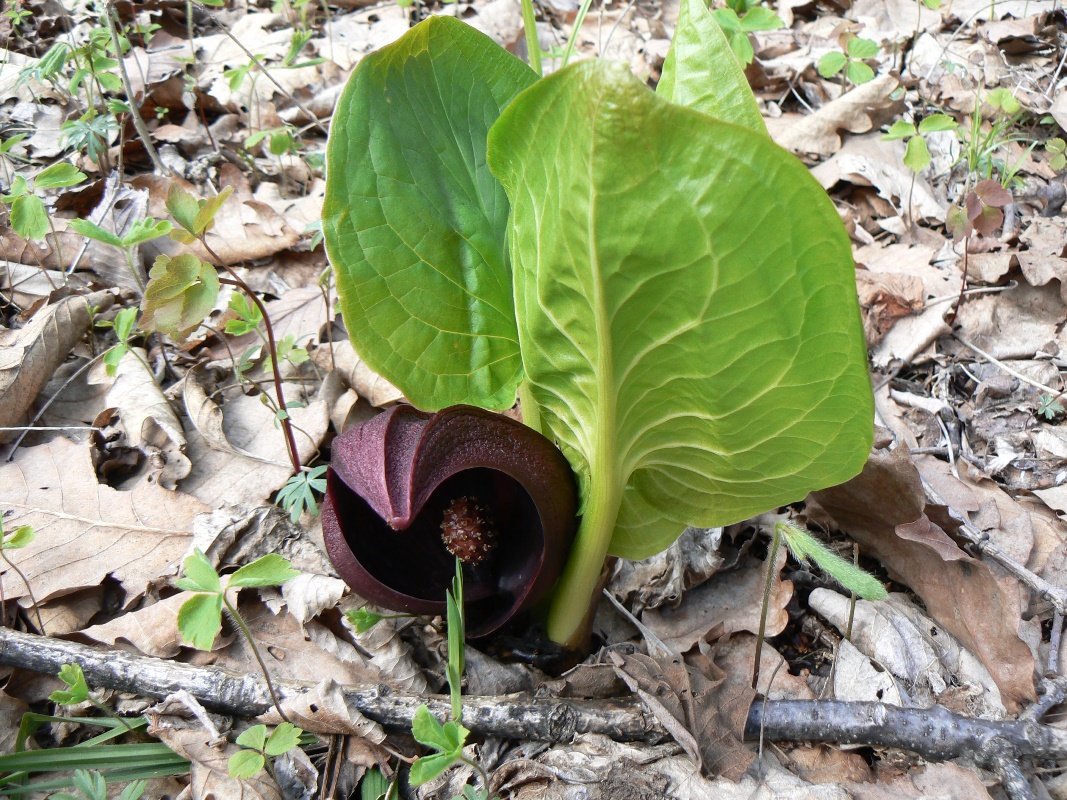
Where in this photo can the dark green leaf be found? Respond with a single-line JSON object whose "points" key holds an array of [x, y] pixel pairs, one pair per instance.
{"points": [[414, 222]]}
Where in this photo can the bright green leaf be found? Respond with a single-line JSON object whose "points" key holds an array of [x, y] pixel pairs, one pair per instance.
{"points": [[205, 216], [761, 18], [19, 538], [832, 63], [28, 217], [91, 230], [917, 154], [124, 323], [246, 764], [113, 357], [144, 230], [72, 675], [363, 620], [1003, 98], [937, 122], [743, 385], [701, 71], [415, 223], [862, 48], [254, 737], [58, 176], [448, 738], [427, 768], [200, 620], [268, 570], [899, 130], [283, 739], [19, 187], [859, 73], [183, 207], [199, 574], [181, 291]]}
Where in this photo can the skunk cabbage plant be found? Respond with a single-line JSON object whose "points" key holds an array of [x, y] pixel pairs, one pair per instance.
{"points": [[671, 294], [409, 492]]}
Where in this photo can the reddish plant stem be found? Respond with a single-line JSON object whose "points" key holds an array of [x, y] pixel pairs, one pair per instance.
{"points": [[287, 427]]}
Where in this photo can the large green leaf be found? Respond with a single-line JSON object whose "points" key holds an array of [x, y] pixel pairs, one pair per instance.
{"points": [[687, 308], [414, 222], [701, 71]]}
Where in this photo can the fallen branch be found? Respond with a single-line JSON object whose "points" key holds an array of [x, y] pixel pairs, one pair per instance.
{"points": [[936, 734]]}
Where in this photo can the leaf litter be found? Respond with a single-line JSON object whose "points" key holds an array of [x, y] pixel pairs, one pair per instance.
{"points": [[189, 454]]}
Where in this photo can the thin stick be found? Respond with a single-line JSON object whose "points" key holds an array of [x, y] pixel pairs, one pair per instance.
{"points": [[29, 590], [287, 428], [1006, 368], [138, 123], [772, 558], [255, 651]]}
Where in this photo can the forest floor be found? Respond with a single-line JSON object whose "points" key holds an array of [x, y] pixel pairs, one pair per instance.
{"points": [[122, 452]]}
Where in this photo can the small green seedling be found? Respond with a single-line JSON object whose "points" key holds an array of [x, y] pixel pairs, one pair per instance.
{"points": [[93, 786], [200, 617], [144, 230], [125, 327], [91, 134], [28, 216], [448, 739], [260, 748], [804, 546], [77, 692], [1049, 408], [16, 540], [741, 18], [1057, 150], [850, 60], [298, 493], [917, 152], [362, 619]]}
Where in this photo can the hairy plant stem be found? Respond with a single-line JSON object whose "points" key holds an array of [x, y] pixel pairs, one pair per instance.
{"points": [[232, 609], [529, 26], [29, 590], [772, 559], [138, 122], [287, 427]]}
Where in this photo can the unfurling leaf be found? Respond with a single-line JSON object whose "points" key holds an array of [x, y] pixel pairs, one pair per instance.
{"points": [[72, 675], [804, 546]]}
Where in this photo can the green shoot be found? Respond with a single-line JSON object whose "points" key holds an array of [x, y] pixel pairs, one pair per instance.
{"points": [[375, 786], [804, 546], [917, 153], [16, 540], [739, 19], [363, 620], [259, 748], [447, 740], [93, 786], [850, 62], [457, 637], [1049, 408], [200, 617], [298, 494], [77, 691]]}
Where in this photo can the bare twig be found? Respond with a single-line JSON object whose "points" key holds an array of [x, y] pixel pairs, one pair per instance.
{"points": [[933, 733]]}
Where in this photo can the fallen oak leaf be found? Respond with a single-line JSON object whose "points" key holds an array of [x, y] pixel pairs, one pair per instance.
{"points": [[884, 510], [30, 356], [88, 531]]}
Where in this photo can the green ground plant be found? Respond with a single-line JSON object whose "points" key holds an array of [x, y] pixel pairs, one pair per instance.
{"points": [[21, 537], [260, 749], [917, 152], [200, 617], [28, 216], [585, 279], [740, 18], [850, 60]]}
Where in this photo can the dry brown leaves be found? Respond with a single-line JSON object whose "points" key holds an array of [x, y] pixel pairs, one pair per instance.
{"points": [[884, 510], [87, 531]]}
